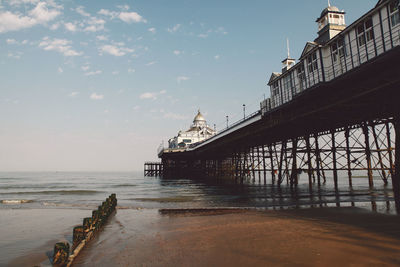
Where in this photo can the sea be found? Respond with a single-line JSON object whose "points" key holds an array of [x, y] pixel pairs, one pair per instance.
{"points": [[38, 209]]}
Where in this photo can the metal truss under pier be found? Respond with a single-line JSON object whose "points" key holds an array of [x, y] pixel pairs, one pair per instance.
{"points": [[153, 169], [350, 124]]}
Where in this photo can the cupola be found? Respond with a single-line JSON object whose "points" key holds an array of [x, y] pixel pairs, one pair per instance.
{"points": [[330, 23], [199, 120]]}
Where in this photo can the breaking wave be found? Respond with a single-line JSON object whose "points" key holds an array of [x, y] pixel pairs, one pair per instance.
{"points": [[15, 201], [55, 192]]}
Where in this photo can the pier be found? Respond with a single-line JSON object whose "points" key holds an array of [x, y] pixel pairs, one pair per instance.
{"points": [[333, 114]]}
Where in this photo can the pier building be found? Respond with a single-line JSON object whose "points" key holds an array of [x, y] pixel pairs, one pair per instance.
{"points": [[336, 50], [198, 131]]}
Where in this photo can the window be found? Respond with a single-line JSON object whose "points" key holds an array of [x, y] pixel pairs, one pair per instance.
{"points": [[302, 76], [275, 88], [369, 30], [365, 32], [338, 49], [312, 63], [394, 12], [287, 88], [187, 141], [341, 47], [361, 34]]}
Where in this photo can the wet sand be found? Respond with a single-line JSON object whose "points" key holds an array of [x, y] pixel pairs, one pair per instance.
{"points": [[308, 237]]}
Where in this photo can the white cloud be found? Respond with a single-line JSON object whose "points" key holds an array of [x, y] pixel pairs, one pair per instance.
{"points": [[130, 70], [174, 28], [129, 17], [152, 95], [55, 26], [59, 45], [115, 72], [174, 116], [151, 63], [70, 26], [101, 38], [202, 35], [16, 55], [73, 94], [136, 108], [14, 22], [107, 12], [95, 96], [217, 57], [152, 30], [123, 7], [221, 30], [112, 50], [115, 50], [19, 2], [85, 68], [42, 14], [11, 41], [91, 73], [60, 70], [95, 25], [177, 52], [148, 95], [80, 11], [182, 78]]}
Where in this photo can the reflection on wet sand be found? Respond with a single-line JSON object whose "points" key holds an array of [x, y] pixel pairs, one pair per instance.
{"points": [[238, 237]]}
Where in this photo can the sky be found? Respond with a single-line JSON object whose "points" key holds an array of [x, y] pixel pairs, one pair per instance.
{"points": [[98, 85]]}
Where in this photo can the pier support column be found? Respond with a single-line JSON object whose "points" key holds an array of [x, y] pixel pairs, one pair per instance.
{"points": [[294, 174], [389, 144], [264, 166], [347, 136], [271, 154], [310, 170], [258, 165], [280, 163], [318, 160], [335, 175], [396, 176], [368, 155]]}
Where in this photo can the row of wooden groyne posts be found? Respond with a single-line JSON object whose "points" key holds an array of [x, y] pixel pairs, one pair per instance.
{"points": [[64, 255]]}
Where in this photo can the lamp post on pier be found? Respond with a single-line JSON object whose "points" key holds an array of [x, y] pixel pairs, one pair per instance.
{"points": [[244, 111], [227, 121]]}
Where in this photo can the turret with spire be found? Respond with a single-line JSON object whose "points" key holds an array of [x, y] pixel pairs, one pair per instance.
{"points": [[330, 23], [288, 62]]}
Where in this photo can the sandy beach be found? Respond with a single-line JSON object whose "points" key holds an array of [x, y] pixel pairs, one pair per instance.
{"points": [[305, 237]]}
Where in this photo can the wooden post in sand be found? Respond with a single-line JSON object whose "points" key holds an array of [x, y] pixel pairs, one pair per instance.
{"points": [[84, 233], [61, 253]]}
